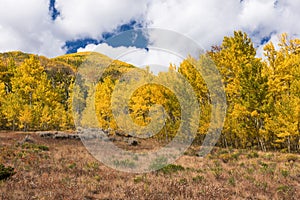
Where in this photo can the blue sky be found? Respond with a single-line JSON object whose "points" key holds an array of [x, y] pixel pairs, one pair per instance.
{"points": [[55, 27]]}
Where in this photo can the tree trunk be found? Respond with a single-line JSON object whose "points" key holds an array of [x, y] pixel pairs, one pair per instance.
{"points": [[289, 144], [13, 125], [262, 145]]}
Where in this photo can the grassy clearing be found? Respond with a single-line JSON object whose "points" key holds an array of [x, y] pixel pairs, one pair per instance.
{"points": [[63, 169]]}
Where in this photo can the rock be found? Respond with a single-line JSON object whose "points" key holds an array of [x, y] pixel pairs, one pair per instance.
{"points": [[64, 136], [120, 133], [106, 139], [125, 140], [58, 135], [75, 136], [27, 139], [133, 142], [90, 134], [46, 134]]}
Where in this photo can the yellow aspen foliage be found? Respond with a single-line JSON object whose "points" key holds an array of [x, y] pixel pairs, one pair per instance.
{"points": [[246, 90], [284, 92], [103, 104], [26, 117], [31, 91]]}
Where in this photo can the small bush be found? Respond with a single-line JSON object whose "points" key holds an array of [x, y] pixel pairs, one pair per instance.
{"points": [[198, 178], [236, 156], [92, 165], [124, 163], [158, 163], [97, 178], [253, 154], [217, 170], [171, 168], [285, 173], [72, 166], [43, 147], [225, 157], [183, 181], [138, 179], [262, 185], [264, 165], [6, 172], [269, 156], [284, 188], [291, 158], [231, 181], [35, 147], [223, 152]]}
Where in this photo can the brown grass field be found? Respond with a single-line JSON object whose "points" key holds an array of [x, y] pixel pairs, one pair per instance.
{"points": [[64, 169]]}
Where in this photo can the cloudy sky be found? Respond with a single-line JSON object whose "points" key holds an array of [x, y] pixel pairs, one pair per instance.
{"points": [[55, 27]]}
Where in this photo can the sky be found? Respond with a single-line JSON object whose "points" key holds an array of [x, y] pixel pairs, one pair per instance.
{"points": [[56, 27]]}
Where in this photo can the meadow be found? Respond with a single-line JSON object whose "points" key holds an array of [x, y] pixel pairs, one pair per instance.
{"points": [[64, 169]]}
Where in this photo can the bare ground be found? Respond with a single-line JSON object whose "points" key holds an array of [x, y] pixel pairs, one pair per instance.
{"points": [[64, 169]]}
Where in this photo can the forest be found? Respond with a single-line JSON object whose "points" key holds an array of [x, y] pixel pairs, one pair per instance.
{"points": [[262, 94]]}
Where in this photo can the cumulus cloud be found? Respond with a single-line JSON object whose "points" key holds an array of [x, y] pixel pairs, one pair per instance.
{"points": [[209, 21], [157, 59], [28, 25], [204, 21], [90, 18]]}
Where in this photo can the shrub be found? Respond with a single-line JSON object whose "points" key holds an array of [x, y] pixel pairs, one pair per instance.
{"points": [[35, 147], [171, 168], [138, 179], [72, 166], [223, 152], [183, 181], [269, 156], [6, 172], [291, 158], [231, 181], [217, 170], [225, 157], [158, 163], [285, 173], [124, 163], [284, 188], [236, 155], [253, 154], [198, 178]]}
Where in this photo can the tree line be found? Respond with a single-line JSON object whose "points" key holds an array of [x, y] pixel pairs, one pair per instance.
{"points": [[262, 95]]}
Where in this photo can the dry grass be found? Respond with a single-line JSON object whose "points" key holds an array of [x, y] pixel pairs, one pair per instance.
{"points": [[68, 171]]}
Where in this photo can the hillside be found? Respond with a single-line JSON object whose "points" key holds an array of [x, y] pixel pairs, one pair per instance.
{"points": [[32, 83]]}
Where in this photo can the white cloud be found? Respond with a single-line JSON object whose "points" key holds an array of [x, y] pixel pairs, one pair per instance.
{"points": [[205, 21], [257, 14], [156, 59], [27, 25], [92, 17]]}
